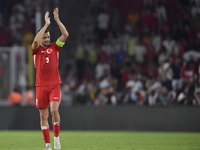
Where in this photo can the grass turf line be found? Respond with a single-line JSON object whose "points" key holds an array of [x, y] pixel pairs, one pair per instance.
{"points": [[102, 140]]}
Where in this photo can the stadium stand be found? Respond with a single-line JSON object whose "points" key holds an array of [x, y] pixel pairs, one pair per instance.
{"points": [[130, 52]]}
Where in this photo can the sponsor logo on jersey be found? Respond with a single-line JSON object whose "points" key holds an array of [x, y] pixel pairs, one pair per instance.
{"points": [[55, 97], [49, 50], [43, 51]]}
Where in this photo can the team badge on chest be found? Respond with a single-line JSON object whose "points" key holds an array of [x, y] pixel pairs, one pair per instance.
{"points": [[49, 51]]}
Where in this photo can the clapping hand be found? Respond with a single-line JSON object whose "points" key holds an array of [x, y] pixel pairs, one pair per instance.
{"points": [[56, 15], [47, 18]]}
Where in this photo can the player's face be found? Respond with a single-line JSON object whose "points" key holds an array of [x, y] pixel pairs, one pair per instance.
{"points": [[46, 39]]}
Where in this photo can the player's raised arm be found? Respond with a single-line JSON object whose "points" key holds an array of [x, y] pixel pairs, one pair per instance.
{"points": [[40, 34], [63, 30]]}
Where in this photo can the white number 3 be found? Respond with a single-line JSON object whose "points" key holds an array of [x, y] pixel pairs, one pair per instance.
{"points": [[47, 60]]}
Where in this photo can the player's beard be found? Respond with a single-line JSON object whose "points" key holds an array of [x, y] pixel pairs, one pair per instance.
{"points": [[46, 44]]}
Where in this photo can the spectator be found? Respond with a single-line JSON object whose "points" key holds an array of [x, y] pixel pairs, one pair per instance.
{"points": [[129, 98], [88, 45], [101, 69], [116, 20], [151, 97], [150, 51], [190, 99], [154, 84], [80, 60], [30, 96], [100, 97], [188, 72], [102, 25], [150, 69], [110, 98], [140, 52], [130, 83], [148, 3], [133, 17], [119, 57], [197, 93], [161, 11], [128, 26], [15, 98], [117, 43], [5, 36], [165, 98], [137, 88], [149, 18], [181, 99], [191, 55], [134, 87], [169, 44], [71, 79], [163, 57], [27, 38], [88, 27], [92, 56], [180, 16], [107, 82], [67, 97], [176, 68], [180, 47], [199, 73], [157, 42], [83, 95], [108, 48], [16, 21], [195, 10], [125, 38], [131, 44], [166, 74], [92, 89], [164, 28], [124, 75]]}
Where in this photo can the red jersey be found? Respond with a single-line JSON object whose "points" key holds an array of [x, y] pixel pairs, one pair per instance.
{"points": [[188, 73], [46, 64]]}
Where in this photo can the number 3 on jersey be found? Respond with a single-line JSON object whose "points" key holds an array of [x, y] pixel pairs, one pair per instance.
{"points": [[47, 60]]}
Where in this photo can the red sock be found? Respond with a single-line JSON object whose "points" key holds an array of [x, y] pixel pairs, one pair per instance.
{"points": [[56, 129], [46, 135]]}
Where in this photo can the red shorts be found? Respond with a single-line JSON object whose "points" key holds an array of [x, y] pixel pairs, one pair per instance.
{"points": [[46, 94]]}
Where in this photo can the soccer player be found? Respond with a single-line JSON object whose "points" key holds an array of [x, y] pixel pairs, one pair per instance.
{"points": [[45, 56]]}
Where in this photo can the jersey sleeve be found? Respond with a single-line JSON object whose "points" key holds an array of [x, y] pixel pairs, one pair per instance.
{"points": [[34, 51]]}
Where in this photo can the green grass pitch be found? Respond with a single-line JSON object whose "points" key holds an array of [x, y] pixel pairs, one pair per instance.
{"points": [[102, 140]]}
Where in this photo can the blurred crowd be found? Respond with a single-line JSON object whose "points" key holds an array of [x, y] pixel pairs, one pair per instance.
{"points": [[139, 52], [17, 22], [17, 27]]}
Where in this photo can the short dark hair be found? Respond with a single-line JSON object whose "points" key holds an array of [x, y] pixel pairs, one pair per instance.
{"points": [[45, 30]]}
